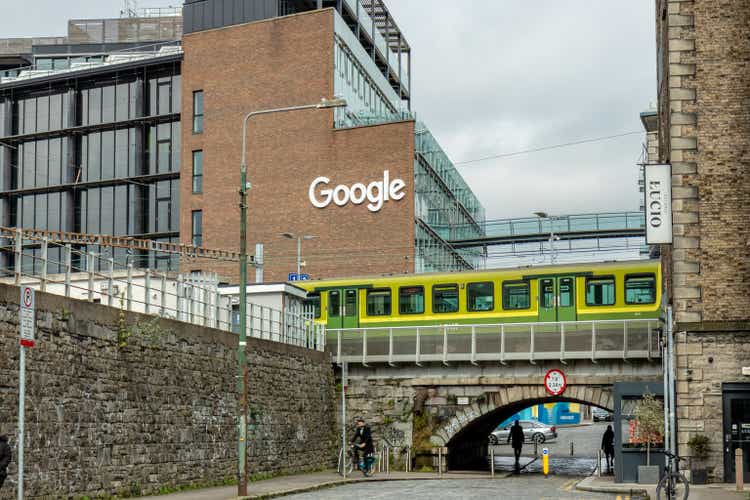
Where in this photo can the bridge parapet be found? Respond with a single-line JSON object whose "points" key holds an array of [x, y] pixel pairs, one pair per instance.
{"points": [[502, 342]]}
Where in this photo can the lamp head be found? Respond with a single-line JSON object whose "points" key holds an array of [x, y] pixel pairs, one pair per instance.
{"points": [[542, 215], [336, 102]]}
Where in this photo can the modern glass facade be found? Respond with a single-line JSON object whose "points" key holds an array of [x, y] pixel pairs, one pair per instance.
{"points": [[94, 152], [445, 207]]}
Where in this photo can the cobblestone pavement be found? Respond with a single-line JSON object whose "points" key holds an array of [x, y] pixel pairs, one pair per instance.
{"points": [[531, 487]]}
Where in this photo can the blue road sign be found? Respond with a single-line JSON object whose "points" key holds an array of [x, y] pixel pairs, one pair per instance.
{"points": [[298, 277]]}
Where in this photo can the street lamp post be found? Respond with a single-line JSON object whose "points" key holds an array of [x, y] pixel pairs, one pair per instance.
{"points": [[552, 236], [299, 247], [241, 360]]}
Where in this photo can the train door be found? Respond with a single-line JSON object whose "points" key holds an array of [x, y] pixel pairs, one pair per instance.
{"points": [[557, 299], [342, 308]]}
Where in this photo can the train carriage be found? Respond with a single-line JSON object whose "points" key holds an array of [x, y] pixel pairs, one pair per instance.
{"points": [[466, 307]]}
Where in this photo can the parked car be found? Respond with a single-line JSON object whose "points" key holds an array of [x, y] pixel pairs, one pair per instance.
{"points": [[601, 415], [533, 431]]}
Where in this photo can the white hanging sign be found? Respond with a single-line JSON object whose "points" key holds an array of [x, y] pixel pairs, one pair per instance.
{"points": [[658, 193]]}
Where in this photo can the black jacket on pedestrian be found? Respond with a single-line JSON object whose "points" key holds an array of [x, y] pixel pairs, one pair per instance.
{"points": [[5, 455], [608, 441], [364, 435], [515, 438]]}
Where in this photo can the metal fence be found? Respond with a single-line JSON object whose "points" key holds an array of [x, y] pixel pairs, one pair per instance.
{"points": [[503, 342], [195, 298]]}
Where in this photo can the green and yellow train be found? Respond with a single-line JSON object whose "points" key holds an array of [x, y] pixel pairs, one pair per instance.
{"points": [[569, 292]]}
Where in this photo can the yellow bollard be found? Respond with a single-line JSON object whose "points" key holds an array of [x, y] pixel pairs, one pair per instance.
{"points": [[545, 461]]}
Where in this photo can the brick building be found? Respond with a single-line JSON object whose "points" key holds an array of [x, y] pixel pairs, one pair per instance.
{"points": [[367, 183], [704, 132]]}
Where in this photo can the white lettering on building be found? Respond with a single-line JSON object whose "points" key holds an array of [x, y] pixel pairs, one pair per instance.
{"points": [[376, 192]]}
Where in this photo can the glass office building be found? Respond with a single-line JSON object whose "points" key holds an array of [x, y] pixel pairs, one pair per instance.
{"points": [[94, 151]]}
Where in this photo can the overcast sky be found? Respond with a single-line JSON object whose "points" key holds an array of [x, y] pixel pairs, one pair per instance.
{"points": [[499, 76]]}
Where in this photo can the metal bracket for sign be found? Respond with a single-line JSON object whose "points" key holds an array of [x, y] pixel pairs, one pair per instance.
{"points": [[562, 344]]}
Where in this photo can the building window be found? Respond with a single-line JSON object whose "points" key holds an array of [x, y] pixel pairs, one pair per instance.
{"points": [[197, 230], [197, 171], [600, 291], [379, 302], [445, 298], [480, 296], [411, 300], [516, 295], [640, 289], [198, 111]]}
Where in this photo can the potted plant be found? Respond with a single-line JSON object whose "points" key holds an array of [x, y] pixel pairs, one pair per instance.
{"points": [[649, 416], [699, 448]]}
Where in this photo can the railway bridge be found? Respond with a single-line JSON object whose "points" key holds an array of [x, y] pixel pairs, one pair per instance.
{"points": [[450, 391]]}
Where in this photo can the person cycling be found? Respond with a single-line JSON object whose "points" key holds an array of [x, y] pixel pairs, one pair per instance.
{"points": [[363, 435]]}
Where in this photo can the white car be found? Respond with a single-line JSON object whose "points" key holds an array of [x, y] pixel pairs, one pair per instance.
{"points": [[533, 431]]}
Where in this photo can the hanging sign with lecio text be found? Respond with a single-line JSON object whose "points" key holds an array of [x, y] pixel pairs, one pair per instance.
{"points": [[658, 206]]}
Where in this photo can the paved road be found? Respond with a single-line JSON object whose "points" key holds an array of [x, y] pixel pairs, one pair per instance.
{"points": [[586, 440], [518, 488]]}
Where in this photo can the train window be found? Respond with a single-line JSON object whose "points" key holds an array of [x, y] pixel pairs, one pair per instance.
{"points": [[566, 292], [445, 298], [312, 303], [640, 289], [379, 302], [334, 303], [350, 303], [547, 293], [600, 291], [516, 295], [480, 296], [411, 300]]}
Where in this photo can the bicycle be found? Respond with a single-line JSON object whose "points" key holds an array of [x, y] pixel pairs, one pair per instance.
{"points": [[673, 485], [349, 461], [366, 464]]}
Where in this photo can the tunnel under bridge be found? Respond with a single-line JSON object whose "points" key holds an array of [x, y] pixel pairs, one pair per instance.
{"points": [[451, 391]]}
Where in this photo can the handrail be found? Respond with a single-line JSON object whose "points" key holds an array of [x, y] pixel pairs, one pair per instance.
{"points": [[529, 341]]}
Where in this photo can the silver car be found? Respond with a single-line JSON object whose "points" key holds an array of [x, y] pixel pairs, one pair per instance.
{"points": [[533, 431]]}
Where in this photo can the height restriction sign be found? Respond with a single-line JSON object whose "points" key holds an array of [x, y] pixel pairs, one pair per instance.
{"points": [[26, 317], [555, 382]]}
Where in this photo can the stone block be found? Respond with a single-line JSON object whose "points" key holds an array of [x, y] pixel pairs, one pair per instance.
{"points": [[681, 45], [685, 218], [688, 317], [684, 142], [687, 292], [682, 94], [686, 242], [685, 192], [680, 20], [681, 70], [683, 119]]}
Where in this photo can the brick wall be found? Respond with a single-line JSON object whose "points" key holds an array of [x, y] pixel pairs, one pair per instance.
{"points": [[708, 120], [704, 114], [276, 63], [160, 409]]}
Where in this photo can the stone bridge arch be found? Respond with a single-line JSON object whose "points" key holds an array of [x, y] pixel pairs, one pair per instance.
{"points": [[465, 434]]}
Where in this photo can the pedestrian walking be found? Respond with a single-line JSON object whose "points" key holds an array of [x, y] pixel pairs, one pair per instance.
{"points": [[515, 438], [608, 447], [5, 456]]}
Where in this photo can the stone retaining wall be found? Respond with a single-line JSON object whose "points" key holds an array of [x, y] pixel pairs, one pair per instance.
{"points": [[123, 403]]}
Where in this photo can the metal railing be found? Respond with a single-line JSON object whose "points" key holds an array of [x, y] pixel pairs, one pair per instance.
{"points": [[502, 342], [194, 298]]}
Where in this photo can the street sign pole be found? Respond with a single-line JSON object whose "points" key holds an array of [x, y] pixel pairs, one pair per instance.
{"points": [[344, 381], [21, 410], [26, 324]]}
